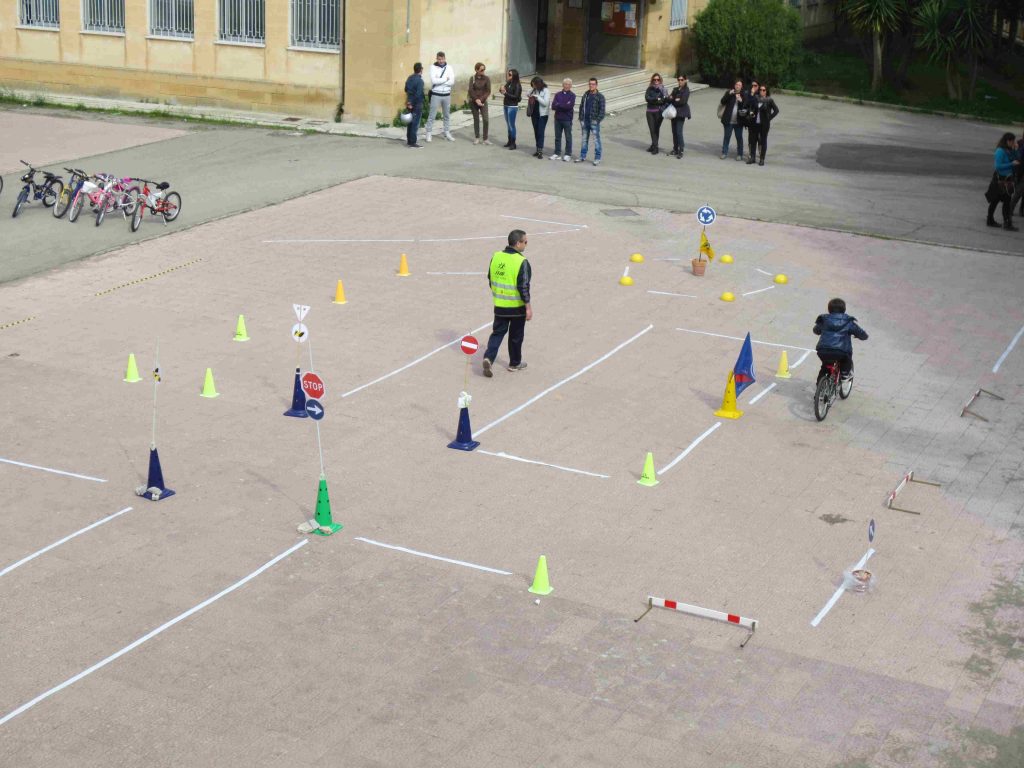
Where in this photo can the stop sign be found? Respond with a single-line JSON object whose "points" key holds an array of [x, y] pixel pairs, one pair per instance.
{"points": [[469, 344], [313, 385]]}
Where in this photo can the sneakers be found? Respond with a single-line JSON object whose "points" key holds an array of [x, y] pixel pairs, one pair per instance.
{"points": [[414, 146], [485, 141], [567, 158], [428, 138], [723, 157], [487, 368], [519, 367], [846, 377], [739, 157], [581, 159], [556, 157], [449, 137], [597, 162], [476, 141]]}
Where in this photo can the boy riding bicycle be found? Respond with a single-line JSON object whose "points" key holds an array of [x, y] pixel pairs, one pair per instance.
{"points": [[835, 346]]}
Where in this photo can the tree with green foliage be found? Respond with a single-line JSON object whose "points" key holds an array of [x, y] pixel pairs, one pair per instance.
{"points": [[747, 38], [951, 31], [879, 18]]}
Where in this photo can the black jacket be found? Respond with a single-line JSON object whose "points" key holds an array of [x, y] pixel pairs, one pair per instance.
{"points": [[835, 331], [730, 99], [680, 99], [769, 111], [513, 94]]}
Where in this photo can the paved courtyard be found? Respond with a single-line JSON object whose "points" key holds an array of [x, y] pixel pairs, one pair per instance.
{"points": [[205, 630]]}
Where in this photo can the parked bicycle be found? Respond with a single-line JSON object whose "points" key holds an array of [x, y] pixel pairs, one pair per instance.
{"points": [[47, 192], [116, 195], [89, 187], [828, 387], [158, 201], [67, 194]]}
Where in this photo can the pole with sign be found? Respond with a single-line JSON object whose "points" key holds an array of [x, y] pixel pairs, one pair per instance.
{"points": [[154, 489], [464, 434]]}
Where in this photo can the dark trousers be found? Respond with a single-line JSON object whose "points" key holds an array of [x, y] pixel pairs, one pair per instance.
{"points": [[753, 136], [414, 126], [563, 127], [515, 327], [762, 140], [1007, 210], [845, 363], [540, 125], [654, 120], [677, 134], [479, 114]]}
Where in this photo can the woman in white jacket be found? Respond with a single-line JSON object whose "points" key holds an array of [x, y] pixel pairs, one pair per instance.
{"points": [[539, 104]]}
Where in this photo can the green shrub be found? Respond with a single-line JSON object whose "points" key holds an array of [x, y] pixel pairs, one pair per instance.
{"points": [[747, 38]]}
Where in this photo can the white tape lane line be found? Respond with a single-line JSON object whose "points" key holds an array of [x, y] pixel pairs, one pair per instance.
{"points": [[761, 394], [422, 239], [1008, 350], [759, 290], [410, 365], [503, 455], [456, 273], [543, 221], [802, 358], [433, 557], [67, 538], [54, 471], [741, 338], [148, 636], [689, 448], [666, 293], [839, 592], [763, 272], [564, 381]]}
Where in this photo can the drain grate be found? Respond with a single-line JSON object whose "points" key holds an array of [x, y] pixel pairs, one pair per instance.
{"points": [[620, 212]]}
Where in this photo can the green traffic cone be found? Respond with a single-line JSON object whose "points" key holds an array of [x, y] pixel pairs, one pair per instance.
{"points": [[326, 523]]}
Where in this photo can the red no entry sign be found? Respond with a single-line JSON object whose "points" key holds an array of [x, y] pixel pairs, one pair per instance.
{"points": [[470, 345], [313, 386]]}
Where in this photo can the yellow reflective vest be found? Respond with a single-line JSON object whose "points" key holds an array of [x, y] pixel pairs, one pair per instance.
{"points": [[504, 277]]}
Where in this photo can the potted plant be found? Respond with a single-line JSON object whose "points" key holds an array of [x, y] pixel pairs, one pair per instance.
{"points": [[699, 265]]}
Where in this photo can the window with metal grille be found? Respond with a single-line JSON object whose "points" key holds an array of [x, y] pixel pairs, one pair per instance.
{"points": [[678, 18], [314, 24], [171, 18], [241, 21], [39, 13], [103, 15]]}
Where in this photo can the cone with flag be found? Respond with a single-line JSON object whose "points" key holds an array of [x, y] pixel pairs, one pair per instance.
{"points": [[728, 409], [649, 477], [743, 371], [783, 372], [705, 246]]}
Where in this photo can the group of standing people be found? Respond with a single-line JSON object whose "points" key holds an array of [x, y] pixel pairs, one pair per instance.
{"points": [[1007, 185], [664, 105], [751, 108]]}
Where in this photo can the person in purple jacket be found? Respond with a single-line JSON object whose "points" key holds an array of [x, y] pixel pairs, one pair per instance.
{"points": [[563, 105]]}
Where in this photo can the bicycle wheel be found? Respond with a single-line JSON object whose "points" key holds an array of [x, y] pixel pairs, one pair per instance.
{"points": [[129, 201], [22, 197], [51, 192], [172, 206], [101, 210], [76, 206], [63, 203], [136, 221], [845, 387], [822, 398]]}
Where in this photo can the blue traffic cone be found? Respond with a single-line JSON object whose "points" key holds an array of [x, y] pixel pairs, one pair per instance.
{"points": [[464, 437], [298, 409], [154, 489]]}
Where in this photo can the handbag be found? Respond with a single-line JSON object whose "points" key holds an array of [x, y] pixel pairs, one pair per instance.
{"points": [[669, 112], [531, 106], [721, 111]]}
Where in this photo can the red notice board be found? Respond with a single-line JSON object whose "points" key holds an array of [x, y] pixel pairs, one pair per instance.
{"points": [[620, 18]]}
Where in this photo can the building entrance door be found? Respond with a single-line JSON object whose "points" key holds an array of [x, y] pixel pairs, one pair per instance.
{"points": [[614, 32], [522, 35]]}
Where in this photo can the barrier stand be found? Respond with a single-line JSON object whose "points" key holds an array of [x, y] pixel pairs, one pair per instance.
{"points": [[967, 407], [907, 478], [696, 610]]}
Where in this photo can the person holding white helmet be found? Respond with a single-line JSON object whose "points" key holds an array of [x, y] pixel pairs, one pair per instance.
{"points": [[413, 103]]}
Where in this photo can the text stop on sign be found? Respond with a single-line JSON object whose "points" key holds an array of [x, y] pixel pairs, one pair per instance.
{"points": [[313, 386]]}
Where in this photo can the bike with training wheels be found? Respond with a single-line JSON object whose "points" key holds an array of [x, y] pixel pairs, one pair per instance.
{"points": [[158, 201], [67, 194], [47, 192], [831, 384]]}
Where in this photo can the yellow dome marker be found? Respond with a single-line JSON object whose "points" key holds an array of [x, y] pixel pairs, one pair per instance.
{"points": [[781, 279], [626, 279], [637, 258], [726, 258], [727, 296]]}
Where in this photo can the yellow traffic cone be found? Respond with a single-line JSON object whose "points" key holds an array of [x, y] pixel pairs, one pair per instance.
{"points": [[339, 293], [208, 389], [240, 334], [403, 267], [728, 409], [783, 372], [541, 585], [649, 476], [131, 374]]}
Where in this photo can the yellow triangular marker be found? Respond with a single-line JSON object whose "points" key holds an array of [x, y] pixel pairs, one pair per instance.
{"points": [[131, 374], [541, 585], [728, 409], [403, 267], [783, 372], [339, 293], [240, 334], [649, 476], [209, 390]]}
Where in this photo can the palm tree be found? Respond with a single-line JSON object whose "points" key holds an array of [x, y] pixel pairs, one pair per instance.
{"points": [[950, 30], [878, 17]]}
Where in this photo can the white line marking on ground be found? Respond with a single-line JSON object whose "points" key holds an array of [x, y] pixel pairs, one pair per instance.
{"points": [[54, 471], [148, 636], [741, 338], [763, 272], [759, 290], [544, 221], [1002, 357], [761, 394], [422, 239], [410, 365], [689, 448], [334, 240], [666, 293], [432, 557], [456, 273], [503, 455], [802, 358], [67, 538], [839, 592], [566, 380]]}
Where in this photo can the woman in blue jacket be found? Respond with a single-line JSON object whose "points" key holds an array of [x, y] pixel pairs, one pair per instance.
{"points": [[1000, 189]]}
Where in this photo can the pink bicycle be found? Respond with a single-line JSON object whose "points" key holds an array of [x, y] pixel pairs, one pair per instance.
{"points": [[116, 195]]}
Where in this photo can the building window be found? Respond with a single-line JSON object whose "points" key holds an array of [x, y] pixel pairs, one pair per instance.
{"points": [[241, 21], [103, 16], [171, 18], [678, 18], [39, 13], [314, 24]]}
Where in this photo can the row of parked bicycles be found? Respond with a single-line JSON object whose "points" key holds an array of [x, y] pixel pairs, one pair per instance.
{"points": [[104, 193]]}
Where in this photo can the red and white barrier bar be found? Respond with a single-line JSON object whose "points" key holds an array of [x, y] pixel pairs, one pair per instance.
{"points": [[696, 610], [892, 494]]}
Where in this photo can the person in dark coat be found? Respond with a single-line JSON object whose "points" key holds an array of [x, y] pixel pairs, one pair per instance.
{"points": [[680, 99], [414, 103], [765, 111], [835, 346], [732, 101], [656, 97], [1000, 189]]}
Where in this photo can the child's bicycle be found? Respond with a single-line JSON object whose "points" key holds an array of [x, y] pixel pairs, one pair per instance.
{"points": [[828, 387], [89, 187], [158, 201], [67, 194], [115, 195], [47, 192]]}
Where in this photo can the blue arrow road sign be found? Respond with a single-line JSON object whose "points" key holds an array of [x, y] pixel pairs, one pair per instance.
{"points": [[871, 531], [706, 215], [314, 409]]}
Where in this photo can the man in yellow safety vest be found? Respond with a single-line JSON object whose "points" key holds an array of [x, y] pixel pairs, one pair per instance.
{"points": [[509, 277]]}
